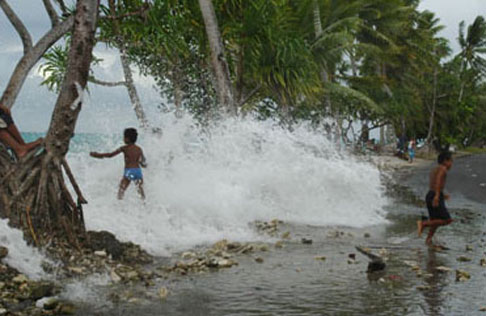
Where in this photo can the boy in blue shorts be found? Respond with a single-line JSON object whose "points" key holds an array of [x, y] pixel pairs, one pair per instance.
{"points": [[134, 161]]}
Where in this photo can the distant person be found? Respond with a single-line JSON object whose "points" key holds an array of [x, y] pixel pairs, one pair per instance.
{"points": [[435, 199], [412, 146], [10, 135], [134, 161]]}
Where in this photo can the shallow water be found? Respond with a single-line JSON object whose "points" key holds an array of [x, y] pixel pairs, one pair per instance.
{"points": [[202, 191], [291, 281]]}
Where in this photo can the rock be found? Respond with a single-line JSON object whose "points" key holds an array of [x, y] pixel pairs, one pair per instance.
{"points": [[3, 252], [20, 278], [163, 292], [463, 259], [321, 258], [264, 248], [51, 303], [114, 276], [469, 248], [306, 241], [366, 235], [350, 261], [482, 262], [42, 289], [101, 253], [352, 256], [259, 259], [462, 275], [285, 235], [106, 241], [424, 287], [66, 309], [482, 309], [279, 244], [226, 263], [443, 269], [76, 270], [188, 255]]}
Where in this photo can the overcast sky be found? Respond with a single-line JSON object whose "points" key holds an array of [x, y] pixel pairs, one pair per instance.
{"points": [[107, 107]]}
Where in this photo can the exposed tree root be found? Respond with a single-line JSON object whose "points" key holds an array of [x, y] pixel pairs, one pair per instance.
{"points": [[35, 197]]}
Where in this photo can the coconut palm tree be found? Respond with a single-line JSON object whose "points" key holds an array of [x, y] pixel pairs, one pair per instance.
{"points": [[473, 50]]}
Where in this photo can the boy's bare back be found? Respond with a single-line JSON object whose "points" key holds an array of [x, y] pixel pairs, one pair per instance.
{"points": [[133, 156], [437, 178]]}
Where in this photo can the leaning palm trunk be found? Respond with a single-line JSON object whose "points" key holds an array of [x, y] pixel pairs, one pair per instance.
{"points": [[220, 67], [34, 195], [132, 90]]}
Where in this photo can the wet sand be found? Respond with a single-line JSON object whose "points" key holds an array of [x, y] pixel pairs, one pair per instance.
{"points": [[290, 281]]}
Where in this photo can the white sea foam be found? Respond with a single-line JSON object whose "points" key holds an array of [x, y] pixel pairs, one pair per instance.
{"points": [[24, 258], [204, 186]]}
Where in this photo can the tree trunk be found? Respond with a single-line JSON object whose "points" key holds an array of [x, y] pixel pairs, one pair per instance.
{"points": [[318, 32], [28, 61], [432, 111], [33, 192], [132, 90], [219, 64]]}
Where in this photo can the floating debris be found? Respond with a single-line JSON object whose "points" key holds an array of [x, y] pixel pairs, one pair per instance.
{"points": [[377, 263], [462, 275], [443, 269], [463, 259], [306, 241], [321, 258]]}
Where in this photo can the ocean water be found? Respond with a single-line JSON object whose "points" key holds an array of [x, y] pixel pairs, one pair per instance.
{"points": [[205, 185]]}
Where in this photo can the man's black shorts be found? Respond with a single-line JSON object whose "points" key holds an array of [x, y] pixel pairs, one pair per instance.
{"points": [[439, 212], [5, 120]]}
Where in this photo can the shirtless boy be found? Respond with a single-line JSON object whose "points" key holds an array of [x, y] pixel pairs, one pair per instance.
{"points": [[10, 135], [134, 160], [435, 199]]}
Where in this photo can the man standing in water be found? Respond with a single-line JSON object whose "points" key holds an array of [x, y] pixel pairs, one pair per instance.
{"points": [[435, 199]]}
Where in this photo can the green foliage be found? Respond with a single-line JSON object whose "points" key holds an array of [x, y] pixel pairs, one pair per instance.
{"points": [[376, 61]]}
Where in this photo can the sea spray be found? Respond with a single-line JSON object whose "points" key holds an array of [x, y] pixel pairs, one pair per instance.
{"points": [[206, 184], [21, 256]]}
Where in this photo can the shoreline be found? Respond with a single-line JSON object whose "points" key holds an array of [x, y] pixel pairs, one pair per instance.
{"points": [[294, 253]]}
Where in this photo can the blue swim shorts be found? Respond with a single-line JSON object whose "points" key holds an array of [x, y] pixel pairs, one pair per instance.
{"points": [[133, 174]]}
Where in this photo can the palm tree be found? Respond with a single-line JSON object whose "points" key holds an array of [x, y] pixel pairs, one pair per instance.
{"points": [[473, 46], [219, 64]]}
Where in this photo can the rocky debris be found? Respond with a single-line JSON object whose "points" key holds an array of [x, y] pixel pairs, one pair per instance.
{"points": [[269, 228], [104, 243], [3, 252], [285, 235], [482, 262], [377, 262], [482, 309], [469, 248], [220, 256], [279, 244], [320, 258], [21, 296], [462, 275]]}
